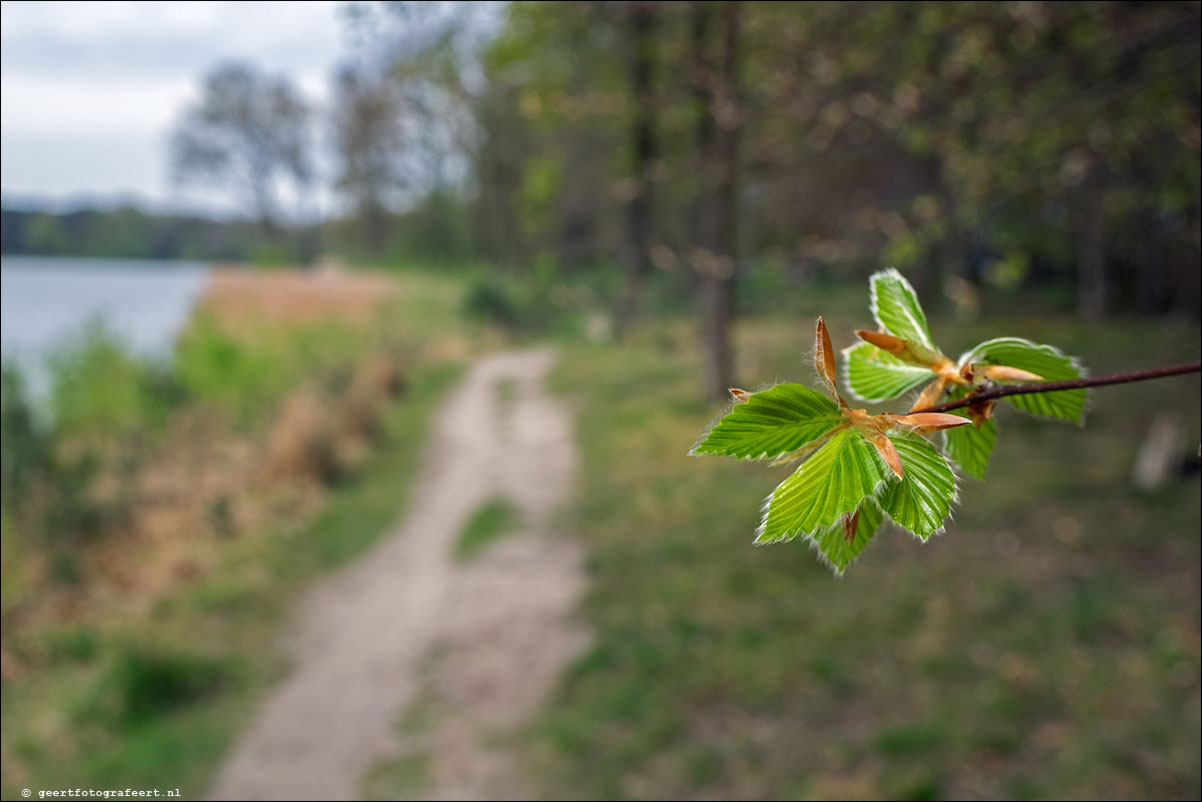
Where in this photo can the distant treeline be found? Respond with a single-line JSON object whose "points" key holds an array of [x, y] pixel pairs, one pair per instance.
{"points": [[129, 233], [437, 230]]}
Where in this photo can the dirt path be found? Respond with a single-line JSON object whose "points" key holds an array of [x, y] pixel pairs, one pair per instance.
{"points": [[500, 625]]}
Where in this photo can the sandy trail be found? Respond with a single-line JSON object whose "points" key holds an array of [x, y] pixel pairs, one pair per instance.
{"points": [[501, 625]]}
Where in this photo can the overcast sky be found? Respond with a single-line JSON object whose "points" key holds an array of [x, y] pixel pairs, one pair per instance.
{"points": [[89, 90]]}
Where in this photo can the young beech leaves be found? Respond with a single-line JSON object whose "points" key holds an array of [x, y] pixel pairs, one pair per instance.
{"points": [[855, 468], [902, 355]]}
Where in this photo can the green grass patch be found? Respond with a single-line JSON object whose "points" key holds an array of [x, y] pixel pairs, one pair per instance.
{"points": [[910, 739], [98, 388], [404, 777], [489, 521], [1050, 633]]}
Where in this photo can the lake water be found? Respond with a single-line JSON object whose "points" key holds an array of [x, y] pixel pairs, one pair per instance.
{"points": [[46, 303]]}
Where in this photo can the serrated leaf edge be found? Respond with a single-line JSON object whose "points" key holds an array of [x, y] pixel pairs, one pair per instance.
{"points": [[710, 428], [951, 509], [893, 272], [764, 507], [1082, 373], [812, 542], [957, 475], [846, 383]]}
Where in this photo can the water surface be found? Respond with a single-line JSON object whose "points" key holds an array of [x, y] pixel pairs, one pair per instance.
{"points": [[46, 304]]}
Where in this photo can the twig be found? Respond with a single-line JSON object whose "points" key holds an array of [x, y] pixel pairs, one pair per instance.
{"points": [[1002, 391]]}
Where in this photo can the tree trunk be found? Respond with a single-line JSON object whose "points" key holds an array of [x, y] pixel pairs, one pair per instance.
{"points": [[1149, 271], [718, 146], [375, 225], [1092, 281], [642, 21]]}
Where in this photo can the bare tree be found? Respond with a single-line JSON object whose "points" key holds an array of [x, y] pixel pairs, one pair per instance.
{"points": [[249, 133], [369, 142]]}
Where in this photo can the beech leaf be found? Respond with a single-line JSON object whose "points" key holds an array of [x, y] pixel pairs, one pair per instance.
{"points": [[1042, 360], [970, 447], [771, 423], [876, 375], [921, 500], [834, 480], [896, 308], [833, 543]]}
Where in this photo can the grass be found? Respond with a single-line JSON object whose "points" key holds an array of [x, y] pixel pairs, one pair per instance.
{"points": [[489, 521], [1046, 646], [149, 691]]}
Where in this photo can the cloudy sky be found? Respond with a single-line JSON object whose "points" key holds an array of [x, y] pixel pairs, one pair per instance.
{"points": [[89, 90]]}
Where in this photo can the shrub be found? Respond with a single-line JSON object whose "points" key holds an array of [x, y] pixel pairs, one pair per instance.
{"points": [[100, 390], [143, 684], [28, 444]]}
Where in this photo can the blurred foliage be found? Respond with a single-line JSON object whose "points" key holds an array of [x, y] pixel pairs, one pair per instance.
{"points": [[141, 685], [133, 650], [976, 146], [28, 442], [101, 391], [530, 306], [996, 143], [126, 232], [215, 366], [247, 374], [248, 134], [105, 410]]}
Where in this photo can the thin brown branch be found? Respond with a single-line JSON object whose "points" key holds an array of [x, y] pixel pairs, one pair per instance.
{"points": [[1002, 391]]}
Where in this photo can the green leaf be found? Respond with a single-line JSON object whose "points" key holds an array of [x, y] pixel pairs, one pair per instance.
{"points": [[920, 500], [834, 480], [832, 543], [772, 423], [970, 447], [875, 375], [1043, 360], [895, 306]]}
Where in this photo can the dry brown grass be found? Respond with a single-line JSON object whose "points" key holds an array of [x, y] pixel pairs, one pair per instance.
{"points": [[211, 482], [207, 479], [303, 441], [241, 298], [322, 436], [375, 381]]}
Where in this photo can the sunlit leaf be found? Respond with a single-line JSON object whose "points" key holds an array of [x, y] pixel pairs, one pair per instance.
{"points": [[833, 481], [921, 500], [833, 543], [876, 375], [970, 447], [895, 306], [1042, 360], [772, 423]]}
